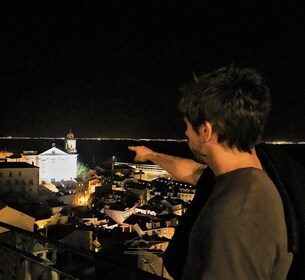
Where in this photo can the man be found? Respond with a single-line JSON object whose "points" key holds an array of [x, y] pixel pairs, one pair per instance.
{"points": [[240, 232]]}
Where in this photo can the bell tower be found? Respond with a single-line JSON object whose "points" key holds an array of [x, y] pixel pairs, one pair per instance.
{"points": [[70, 143]]}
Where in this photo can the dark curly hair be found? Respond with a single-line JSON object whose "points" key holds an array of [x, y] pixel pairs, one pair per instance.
{"points": [[234, 100]]}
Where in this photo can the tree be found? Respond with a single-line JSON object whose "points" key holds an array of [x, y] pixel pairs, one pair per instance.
{"points": [[82, 170]]}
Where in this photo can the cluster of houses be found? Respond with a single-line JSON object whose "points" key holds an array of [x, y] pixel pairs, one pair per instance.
{"points": [[42, 194]]}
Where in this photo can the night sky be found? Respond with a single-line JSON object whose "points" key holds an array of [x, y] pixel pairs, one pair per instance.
{"points": [[113, 69]]}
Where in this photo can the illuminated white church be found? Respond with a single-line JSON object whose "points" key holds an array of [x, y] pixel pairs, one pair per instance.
{"points": [[54, 164]]}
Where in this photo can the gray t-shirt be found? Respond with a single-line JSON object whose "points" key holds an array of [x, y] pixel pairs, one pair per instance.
{"points": [[240, 232]]}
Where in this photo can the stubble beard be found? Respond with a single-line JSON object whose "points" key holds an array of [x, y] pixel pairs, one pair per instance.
{"points": [[199, 157]]}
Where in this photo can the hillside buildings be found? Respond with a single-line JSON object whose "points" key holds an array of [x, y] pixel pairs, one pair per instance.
{"points": [[141, 204]]}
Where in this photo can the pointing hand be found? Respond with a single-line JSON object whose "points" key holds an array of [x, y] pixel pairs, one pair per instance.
{"points": [[142, 153]]}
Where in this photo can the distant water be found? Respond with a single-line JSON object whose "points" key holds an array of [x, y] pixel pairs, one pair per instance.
{"points": [[103, 150], [99, 151]]}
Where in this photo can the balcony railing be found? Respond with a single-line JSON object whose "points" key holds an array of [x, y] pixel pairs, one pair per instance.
{"points": [[29, 255]]}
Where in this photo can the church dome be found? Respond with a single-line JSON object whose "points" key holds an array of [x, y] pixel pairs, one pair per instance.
{"points": [[70, 135]]}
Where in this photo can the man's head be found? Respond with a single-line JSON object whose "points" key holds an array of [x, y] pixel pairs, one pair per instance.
{"points": [[235, 101]]}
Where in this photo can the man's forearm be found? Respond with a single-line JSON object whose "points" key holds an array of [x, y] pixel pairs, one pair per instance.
{"points": [[182, 169]]}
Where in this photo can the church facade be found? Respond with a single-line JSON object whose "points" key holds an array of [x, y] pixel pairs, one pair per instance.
{"points": [[54, 164]]}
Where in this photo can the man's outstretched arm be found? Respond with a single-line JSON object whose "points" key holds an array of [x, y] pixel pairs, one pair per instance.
{"points": [[183, 169]]}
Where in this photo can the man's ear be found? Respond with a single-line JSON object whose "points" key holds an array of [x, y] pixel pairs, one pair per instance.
{"points": [[205, 131]]}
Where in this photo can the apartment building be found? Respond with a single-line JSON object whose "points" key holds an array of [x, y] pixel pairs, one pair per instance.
{"points": [[19, 177]]}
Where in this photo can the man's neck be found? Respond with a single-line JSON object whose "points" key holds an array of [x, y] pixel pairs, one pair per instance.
{"points": [[223, 159]]}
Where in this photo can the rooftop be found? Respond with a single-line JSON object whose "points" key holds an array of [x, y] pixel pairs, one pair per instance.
{"points": [[4, 165]]}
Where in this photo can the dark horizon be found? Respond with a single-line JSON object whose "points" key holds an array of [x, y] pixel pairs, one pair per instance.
{"points": [[128, 139]]}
